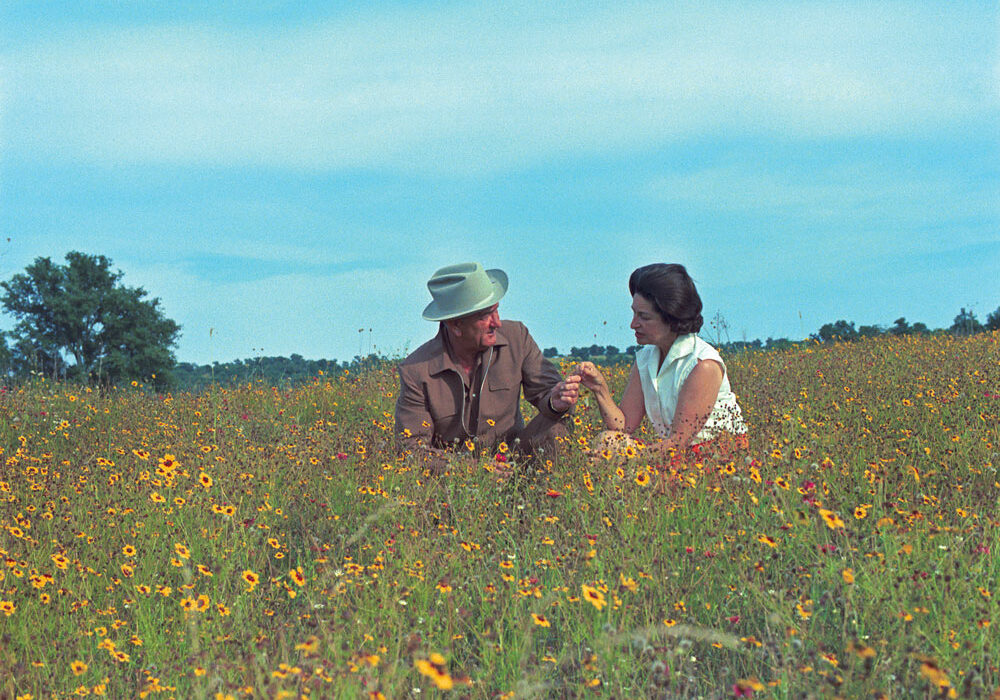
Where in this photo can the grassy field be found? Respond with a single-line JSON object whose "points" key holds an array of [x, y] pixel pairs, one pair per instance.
{"points": [[251, 542]]}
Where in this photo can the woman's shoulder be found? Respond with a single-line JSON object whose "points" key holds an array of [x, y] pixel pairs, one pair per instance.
{"points": [[703, 350], [703, 346]]}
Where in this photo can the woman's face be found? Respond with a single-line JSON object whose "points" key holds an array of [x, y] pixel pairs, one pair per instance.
{"points": [[649, 327]]}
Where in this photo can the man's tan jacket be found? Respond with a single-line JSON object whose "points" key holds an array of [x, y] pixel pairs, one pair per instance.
{"points": [[440, 405]]}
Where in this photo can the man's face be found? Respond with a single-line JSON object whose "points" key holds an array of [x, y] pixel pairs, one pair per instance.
{"points": [[477, 331]]}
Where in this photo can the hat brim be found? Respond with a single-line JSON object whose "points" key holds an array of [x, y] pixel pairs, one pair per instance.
{"points": [[499, 279]]}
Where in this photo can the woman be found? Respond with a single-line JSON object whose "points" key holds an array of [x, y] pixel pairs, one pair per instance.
{"points": [[678, 380]]}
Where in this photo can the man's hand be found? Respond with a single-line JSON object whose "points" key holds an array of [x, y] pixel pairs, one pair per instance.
{"points": [[565, 393]]}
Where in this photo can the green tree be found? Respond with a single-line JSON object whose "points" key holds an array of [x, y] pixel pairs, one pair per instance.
{"points": [[80, 311], [966, 323], [841, 330], [6, 358], [993, 320], [778, 344], [900, 327]]}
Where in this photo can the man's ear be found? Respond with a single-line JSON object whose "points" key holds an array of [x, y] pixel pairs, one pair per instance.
{"points": [[454, 327]]}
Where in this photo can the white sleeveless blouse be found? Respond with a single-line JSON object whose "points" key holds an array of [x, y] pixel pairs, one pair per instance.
{"points": [[661, 387]]}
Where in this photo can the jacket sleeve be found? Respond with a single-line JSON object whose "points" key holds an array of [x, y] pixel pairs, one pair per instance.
{"points": [[538, 376], [413, 421]]}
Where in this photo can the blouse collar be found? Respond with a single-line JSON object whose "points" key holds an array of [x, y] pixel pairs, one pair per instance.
{"points": [[682, 347]]}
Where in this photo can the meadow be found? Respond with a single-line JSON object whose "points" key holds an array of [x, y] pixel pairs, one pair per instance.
{"points": [[260, 542]]}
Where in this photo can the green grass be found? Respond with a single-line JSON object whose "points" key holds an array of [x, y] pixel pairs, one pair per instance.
{"points": [[733, 579]]}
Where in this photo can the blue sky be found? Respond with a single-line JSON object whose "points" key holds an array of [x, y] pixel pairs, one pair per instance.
{"points": [[283, 174]]}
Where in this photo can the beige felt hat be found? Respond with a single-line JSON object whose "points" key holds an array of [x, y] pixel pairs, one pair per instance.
{"points": [[462, 289]]}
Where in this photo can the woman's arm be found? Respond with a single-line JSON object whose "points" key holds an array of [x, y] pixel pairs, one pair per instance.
{"points": [[694, 404], [632, 410], [633, 406]]}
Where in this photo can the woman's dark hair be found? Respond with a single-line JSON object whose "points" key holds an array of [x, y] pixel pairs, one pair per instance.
{"points": [[671, 291]]}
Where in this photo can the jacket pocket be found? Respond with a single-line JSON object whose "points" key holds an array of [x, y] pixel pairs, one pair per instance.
{"points": [[444, 401], [499, 403], [499, 387]]}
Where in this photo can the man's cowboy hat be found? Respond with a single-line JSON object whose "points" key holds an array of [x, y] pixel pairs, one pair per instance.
{"points": [[463, 289]]}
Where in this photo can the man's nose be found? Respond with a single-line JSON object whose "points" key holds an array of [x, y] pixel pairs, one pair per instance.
{"points": [[495, 319]]}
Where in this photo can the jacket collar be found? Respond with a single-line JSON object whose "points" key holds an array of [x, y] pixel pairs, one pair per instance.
{"points": [[443, 361]]}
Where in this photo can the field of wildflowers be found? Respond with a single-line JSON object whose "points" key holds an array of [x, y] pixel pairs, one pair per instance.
{"points": [[255, 542]]}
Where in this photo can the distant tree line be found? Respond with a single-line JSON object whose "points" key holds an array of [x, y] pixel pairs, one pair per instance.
{"points": [[605, 353], [964, 324], [282, 371], [78, 322], [272, 371]]}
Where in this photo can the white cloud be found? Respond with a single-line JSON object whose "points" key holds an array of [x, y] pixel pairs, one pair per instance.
{"points": [[466, 87], [861, 191]]}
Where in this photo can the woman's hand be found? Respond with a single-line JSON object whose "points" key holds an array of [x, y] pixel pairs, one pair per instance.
{"points": [[591, 377]]}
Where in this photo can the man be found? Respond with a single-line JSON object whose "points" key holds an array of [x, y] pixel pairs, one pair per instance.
{"points": [[466, 382]]}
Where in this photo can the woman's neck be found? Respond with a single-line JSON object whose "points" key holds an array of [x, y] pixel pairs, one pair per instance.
{"points": [[665, 347]]}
